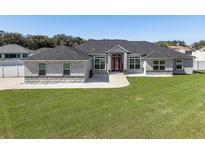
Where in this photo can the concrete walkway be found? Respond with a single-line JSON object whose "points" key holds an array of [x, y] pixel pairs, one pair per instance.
{"points": [[116, 80]]}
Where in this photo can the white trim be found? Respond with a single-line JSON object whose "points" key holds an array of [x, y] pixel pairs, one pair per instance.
{"points": [[94, 63], [118, 46], [182, 63]]}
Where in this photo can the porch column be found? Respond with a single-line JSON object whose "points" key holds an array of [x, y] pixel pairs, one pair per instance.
{"points": [[109, 62], [144, 66], [125, 62]]}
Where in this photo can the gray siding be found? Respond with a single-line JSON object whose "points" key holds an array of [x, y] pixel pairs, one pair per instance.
{"points": [[168, 67], [30, 68], [54, 71], [187, 67], [77, 68]]}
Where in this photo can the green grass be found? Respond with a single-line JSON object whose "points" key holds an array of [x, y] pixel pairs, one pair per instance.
{"points": [[148, 108]]}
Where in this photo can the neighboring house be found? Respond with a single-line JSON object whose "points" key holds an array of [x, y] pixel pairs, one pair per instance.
{"points": [[11, 64], [74, 64], [183, 49], [11, 56], [199, 60]]}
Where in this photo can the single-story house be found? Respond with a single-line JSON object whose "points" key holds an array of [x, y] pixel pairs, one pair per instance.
{"points": [[75, 64], [11, 64]]}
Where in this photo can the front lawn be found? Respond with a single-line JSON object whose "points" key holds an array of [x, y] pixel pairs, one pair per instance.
{"points": [[148, 108]]}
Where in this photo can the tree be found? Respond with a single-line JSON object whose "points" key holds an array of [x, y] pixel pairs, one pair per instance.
{"points": [[38, 41], [171, 43], [198, 45]]}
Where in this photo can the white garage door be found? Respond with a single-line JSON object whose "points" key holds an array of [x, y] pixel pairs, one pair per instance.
{"points": [[11, 71]]}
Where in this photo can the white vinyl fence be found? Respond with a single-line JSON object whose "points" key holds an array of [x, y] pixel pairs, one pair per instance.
{"points": [[199, 65], [199, 60], [11, 71]]}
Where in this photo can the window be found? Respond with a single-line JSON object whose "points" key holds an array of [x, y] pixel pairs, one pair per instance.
{"points": [[12, 56], [25, 55], [159, 65], [1, 56], [99, 63], [66, 68], [42, 69], [179, 64], [134, 63]]}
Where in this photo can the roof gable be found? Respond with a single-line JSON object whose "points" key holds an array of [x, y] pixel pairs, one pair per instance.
{"points": [[166, 54], [102, 46], [117, 49]]}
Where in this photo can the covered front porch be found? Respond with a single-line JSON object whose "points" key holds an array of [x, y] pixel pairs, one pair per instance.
{"points": [[117, 59]]}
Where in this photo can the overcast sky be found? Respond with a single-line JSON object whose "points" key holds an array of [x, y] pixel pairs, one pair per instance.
{"points": [[148, 28]]}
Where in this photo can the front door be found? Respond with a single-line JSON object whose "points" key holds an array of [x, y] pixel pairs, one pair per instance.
{"points": [[116, 62]]}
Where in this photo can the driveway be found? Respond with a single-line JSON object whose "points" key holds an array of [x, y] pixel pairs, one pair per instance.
{"points": [[10, 83], [116, 80]]}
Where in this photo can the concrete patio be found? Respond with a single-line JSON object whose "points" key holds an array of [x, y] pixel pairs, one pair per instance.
{"points": [[115, 80]]}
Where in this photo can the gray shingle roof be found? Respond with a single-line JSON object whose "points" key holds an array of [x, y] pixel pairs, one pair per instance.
{"points": [[166, 53], [138, 47], [101, 46], [39, 50], [59, 53], [13, 48]]}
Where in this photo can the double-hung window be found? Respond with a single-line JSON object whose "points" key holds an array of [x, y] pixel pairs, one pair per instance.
{"points": [[1, 56], [179, 64], [42, 69], [134, 63], [66, 68], [159, 65], [99, 63]]}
